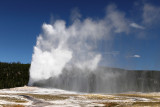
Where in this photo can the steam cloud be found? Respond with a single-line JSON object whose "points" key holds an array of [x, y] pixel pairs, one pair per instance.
{"points": [[75, 45], [68, 56]]}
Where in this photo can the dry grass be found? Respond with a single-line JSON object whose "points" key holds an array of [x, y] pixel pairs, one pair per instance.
{"points": [[8, 105], [13, 99], [110, 104], [148, 96], [142, 104], [43, 96], [48, 97], [134, 104], [69, 95], [98, 97]]}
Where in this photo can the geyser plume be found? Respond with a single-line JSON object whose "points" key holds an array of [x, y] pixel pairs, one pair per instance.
{"points": [[58, 46], [61, 46], [75, 45], [68, 56]]}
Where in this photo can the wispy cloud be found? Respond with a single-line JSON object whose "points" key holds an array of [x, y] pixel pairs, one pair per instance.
{"points": [[117, 19], [114, 53], [75, 14], [134, 25], [134, 56], [148, 19], [151, 14]]}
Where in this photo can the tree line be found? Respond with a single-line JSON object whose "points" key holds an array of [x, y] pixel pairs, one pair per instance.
{"points": [[13, 74], [17, 74]]}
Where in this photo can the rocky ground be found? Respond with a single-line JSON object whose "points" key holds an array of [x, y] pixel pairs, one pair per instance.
{"points": [[42, 97]]}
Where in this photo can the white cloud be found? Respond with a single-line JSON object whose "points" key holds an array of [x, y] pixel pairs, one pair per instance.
{"points": [[136, 26], [151, 14], [135, 56], [114, 53], [149, 17], [117, 19]]}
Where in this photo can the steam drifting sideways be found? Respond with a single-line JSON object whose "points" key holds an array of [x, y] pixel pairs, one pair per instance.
{"points": [[67, 57]]}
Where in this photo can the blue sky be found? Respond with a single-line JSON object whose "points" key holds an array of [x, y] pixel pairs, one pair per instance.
{"points": [[21, 21]]}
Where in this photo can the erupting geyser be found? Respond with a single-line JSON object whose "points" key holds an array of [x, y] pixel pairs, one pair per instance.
{"points": [[68, 57]]}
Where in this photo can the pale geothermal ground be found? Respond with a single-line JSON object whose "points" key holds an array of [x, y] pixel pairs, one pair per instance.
{"points": [[42, 97]]}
